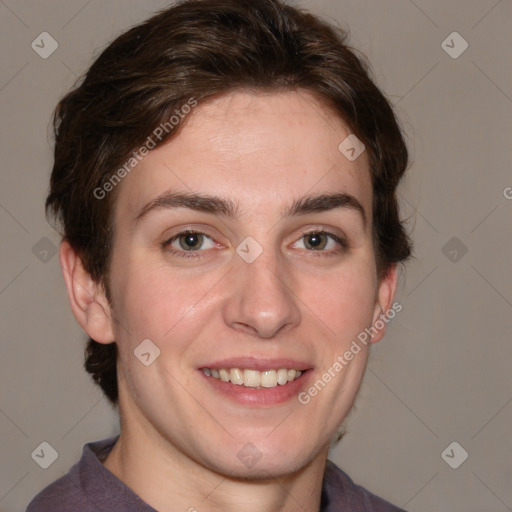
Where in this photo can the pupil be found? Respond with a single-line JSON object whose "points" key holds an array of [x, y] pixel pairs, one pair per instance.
{"points": [[191, 241], [315, 239]]}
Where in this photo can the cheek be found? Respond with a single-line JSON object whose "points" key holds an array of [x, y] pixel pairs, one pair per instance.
{"points": [[154, 302], [343, 301]]}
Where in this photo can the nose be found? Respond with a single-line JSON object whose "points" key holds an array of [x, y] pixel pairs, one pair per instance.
{"points": [[260, 299]]}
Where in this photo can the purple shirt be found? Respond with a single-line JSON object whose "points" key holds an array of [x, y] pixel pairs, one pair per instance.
{"points": [[90, 487]]}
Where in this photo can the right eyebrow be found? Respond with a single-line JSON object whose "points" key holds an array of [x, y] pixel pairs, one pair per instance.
{"points": [[198, 202]]}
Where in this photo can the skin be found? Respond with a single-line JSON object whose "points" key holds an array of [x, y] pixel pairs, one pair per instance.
{"points": [[180, 437]]}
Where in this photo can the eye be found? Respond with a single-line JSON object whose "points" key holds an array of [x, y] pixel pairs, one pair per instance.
{"points": [[188, 242], [322, 241]]}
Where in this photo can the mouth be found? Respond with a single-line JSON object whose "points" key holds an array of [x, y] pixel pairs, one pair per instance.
{"points": [[257, 383], [253, 378]]}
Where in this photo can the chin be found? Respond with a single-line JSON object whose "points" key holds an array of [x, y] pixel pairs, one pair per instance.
{"points": [[263, 469], [261, 459]]}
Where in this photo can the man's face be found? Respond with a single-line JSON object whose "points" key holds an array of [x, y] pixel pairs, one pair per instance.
{"points": [[247, 289]]}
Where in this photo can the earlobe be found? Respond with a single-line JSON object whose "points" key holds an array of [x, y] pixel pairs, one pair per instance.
{"points": [[86, 297], [383, 304]]}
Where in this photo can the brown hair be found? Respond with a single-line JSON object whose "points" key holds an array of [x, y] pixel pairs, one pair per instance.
{"points": [[198, 49]]}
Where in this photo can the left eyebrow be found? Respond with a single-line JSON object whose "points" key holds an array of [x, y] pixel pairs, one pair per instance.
{"points": [[325, 202], [220, 206]]}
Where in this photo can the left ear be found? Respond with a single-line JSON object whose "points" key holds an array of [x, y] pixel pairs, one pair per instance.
{"points": [[383, 302]]}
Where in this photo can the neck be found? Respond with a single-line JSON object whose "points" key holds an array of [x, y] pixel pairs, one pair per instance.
{"points": [[168, 480]]}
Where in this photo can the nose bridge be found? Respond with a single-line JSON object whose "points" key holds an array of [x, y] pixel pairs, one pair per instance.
{"points": [[260, 299]]}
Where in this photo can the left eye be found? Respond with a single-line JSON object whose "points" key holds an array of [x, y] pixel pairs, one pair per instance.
{"points": [[190, 241], [320, 241]]}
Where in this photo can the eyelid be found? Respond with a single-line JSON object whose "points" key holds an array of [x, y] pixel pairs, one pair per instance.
{"points": [[180, 231], [186, 231], [339, 239]]}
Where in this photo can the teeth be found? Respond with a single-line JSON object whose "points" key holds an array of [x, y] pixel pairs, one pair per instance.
{"points": [[254, 378], [269, 379], [236, 376], [282, 376]]}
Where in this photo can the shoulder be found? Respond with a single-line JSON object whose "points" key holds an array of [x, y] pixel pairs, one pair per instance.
{"points": [[72, 492], [341, 493], [63, 495]]}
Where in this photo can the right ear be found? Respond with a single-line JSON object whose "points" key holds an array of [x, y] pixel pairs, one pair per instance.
{"points": [[86, 297]]}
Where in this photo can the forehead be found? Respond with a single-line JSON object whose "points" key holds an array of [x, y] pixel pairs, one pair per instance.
{"points": [[259, 149]]}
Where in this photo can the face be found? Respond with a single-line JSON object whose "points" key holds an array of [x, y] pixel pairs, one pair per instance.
{"points": [[227, 257]]}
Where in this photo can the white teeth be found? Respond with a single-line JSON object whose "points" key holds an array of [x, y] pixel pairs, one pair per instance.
{"points": [[269, 379], [236, 376], [282, 376], [253, 378]]}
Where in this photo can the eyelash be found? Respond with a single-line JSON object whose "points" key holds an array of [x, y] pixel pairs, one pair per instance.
{"points": [[193, 254]]}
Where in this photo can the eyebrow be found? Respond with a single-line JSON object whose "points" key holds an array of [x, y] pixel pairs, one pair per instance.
{"points": [[220, 206]]}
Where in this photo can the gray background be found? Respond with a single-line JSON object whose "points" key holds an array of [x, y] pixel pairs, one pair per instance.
{"points": [[442, 372]]}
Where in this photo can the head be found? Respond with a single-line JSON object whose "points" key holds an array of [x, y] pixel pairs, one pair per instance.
{"points": [[224, 118]]}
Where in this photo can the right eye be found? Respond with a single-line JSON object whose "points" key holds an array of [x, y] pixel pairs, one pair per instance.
{"points": [[187, 242]]}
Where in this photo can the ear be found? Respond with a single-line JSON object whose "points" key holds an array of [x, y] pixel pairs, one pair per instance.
{"points": [[86, 297], [383, 303]]}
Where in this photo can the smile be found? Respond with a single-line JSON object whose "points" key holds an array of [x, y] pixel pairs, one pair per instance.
{"points": [[254, 378]]}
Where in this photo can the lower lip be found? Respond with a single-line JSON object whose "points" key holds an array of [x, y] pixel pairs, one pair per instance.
{"points": [[259, 397]]}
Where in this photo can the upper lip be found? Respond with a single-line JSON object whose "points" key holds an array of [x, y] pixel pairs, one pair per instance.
{"points": [[260, 364]]}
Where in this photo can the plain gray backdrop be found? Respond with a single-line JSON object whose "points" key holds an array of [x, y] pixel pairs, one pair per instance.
{"points": [[442, 373]]}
